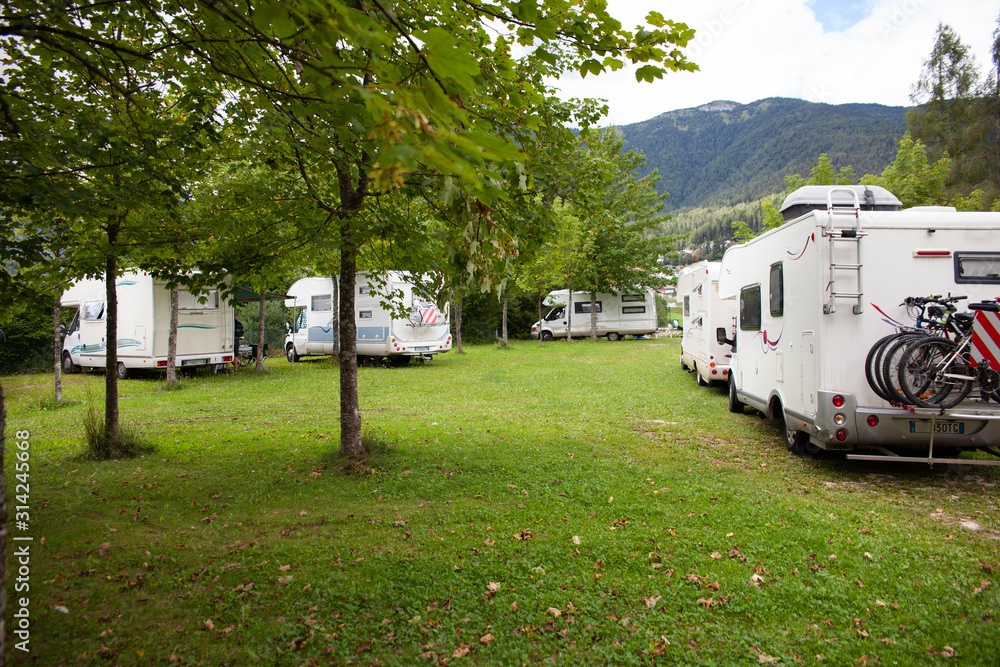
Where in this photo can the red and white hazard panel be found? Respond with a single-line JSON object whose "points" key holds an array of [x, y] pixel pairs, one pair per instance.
{"points": [[986, 339]]}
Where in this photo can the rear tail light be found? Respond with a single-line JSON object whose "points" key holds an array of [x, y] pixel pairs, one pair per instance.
{"points": [[838, 401], [872, 421], [841, 435], [161, 364]]}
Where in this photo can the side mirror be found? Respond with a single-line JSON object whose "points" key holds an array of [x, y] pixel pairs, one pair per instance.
{"points": [[2, 337], [720, 337], [288, 327], [676, 324], [62, 329]]}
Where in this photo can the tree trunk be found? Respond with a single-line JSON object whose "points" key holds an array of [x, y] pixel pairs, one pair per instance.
{"points": [[541, 322], [112, 429], [350, 411], [569, 316], [175, 310], [458, 325], [336, 317], [593, 316], [3, 527], [57, 352], [506, 293], [260, 330]]}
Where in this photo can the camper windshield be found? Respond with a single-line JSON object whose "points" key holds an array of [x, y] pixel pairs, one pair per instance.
{"points": [[555, 314]]}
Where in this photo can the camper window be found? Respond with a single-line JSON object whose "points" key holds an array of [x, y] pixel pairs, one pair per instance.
{"points": [[93, 310], [777, 290], [555, 314], [632, 298], [207, 300], [364, 289], [630, 310], [582, 307], [750, 308], [364, 314], [322, 303], [977, 267], [687, 305]]}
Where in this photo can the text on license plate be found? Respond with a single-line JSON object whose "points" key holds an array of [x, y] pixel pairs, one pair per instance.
{"points": [[421, 349], [945, 428]]}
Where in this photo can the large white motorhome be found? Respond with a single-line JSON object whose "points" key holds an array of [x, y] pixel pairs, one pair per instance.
{"points": [[702, 315], [205, 329], [421, 332], [621, 314], [815, 294]]}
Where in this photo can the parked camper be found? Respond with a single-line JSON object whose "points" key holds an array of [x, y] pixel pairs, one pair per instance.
{"points": [[815, 294], [627, 313], [703, 312], [422, 332], [204, 329]]}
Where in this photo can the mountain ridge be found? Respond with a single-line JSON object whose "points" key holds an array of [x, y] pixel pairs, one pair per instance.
{"points": [[724, 152]]}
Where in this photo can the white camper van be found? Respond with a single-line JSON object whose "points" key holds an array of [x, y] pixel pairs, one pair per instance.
{"points": [[627, 313], [815, 294], [423, 332], [205, 335], [703, 313]]}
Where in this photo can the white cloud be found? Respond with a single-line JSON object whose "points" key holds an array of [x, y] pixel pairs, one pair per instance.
{"points": [[751, 49]]}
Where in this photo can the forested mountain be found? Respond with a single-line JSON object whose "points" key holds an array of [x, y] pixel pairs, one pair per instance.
{"points": [[724, 153]]}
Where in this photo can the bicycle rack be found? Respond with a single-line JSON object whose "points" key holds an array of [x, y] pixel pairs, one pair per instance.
{"points": [[853, 235]]}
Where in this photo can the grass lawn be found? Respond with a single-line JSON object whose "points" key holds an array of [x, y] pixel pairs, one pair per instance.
{"points": [[573, 504]]}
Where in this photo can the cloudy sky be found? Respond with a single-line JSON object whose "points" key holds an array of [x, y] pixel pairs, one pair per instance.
{"points": [[831, 51]]}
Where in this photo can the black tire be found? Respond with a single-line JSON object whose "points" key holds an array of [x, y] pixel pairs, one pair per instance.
{"points": [[734, 402], [123, 372], [797, 442], [291, 355], [922, 374], [871, 370], [613, 336], [891, 360], [546, 335], [68, 366], [698, 378], [684, 367]]}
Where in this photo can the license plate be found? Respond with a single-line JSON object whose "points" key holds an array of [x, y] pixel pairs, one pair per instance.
{"points": [[941, 428], [422, 349], [193, 362]]}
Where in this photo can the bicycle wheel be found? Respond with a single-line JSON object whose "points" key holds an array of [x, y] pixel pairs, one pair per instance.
{"points": [[932, 375], [890, 361], [871, 374]]}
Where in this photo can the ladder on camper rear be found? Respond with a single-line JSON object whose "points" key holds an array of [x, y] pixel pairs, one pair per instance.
{"points": [[852, 235]]}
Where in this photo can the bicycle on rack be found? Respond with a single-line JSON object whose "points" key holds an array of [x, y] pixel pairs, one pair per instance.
{"points": [[941, 372], [934, 316]]}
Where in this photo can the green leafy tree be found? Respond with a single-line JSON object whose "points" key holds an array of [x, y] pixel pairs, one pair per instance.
{"points": [[912, 177]]}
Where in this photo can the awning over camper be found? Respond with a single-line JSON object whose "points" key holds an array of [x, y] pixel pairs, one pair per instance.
{"points": [[247, 295]]}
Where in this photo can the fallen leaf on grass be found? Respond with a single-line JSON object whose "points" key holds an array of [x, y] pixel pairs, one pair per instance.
{"points": [[766, 659], [554, 612], [651, 602], [460, 652], [105, 547], [209, 625], [706, 602], [284, 568], [756, 580], [576, 539], [284, 581], [486, 639]]}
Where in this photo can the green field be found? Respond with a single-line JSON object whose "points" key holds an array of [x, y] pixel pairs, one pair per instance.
{"points": [[573, 504]]}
